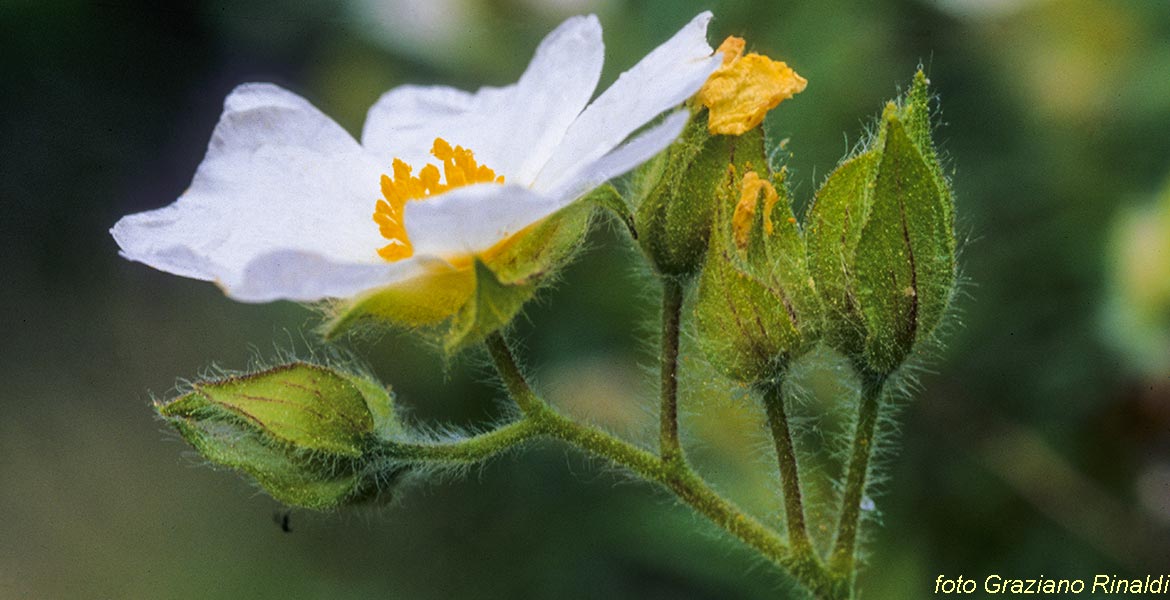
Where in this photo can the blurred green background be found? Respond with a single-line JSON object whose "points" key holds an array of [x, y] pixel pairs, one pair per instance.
{"points": [[1038, 443]]}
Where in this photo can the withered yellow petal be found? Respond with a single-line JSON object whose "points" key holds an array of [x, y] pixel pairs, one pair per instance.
{"points": [[741, 91]]}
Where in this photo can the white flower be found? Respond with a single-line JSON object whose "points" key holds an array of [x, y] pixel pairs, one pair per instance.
{"points": [[281, 206]]}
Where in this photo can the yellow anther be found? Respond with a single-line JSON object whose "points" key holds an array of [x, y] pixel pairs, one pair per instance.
{"points": [[459, 168], [745, 210], [744, 88]]}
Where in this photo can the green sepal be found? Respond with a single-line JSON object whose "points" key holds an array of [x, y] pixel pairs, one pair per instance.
{"points": [[609, 199], [833, 230], [785, 259], [305, 405], [543, 248], [302, 431], [419, 303], [678, 193], [302, 481], [380, 402], [905, 258], [755, 307], [491, 308], [446, 303], [510, 276]]}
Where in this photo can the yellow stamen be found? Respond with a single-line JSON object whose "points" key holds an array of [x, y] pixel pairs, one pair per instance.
{"points": [[460, 169], [745, 210], [744, 88]]}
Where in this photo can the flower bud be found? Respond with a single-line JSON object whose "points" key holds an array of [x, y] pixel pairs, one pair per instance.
{"points": [[674, 218], [756, 306], [881, 240], [679, 191], [304, 432]]}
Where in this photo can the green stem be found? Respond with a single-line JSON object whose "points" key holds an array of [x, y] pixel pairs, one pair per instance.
{"points": [[773, 392], [695, 492], [468, 450], [841, 561], [672, 299], [673, 475], [514, 380]]}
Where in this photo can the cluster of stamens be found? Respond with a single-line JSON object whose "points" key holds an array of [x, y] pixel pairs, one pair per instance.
{"points": [[459, 169]]}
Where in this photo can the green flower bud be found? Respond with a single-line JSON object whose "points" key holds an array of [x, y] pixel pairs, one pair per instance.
{"points": [[756, 306], [881, 240], [680, 189], [304, 432]]}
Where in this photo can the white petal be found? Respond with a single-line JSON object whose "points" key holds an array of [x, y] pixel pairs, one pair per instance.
{"points": [[513, 129], [278, 176], [627, 156], [473, 218], [305, 277], [405, 121], [665, 78]]}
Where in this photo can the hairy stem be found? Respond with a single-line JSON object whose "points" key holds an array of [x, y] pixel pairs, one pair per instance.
{"points": [[469, 450], [696, 493], [841, 561], [514, 380], [773, 392], [673, 475], [672, 300]]}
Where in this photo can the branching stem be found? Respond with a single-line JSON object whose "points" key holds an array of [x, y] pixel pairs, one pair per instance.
{"points": [[673, 475]]}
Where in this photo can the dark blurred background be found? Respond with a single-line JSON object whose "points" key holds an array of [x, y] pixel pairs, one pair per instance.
{"points": [[1038, 444]]}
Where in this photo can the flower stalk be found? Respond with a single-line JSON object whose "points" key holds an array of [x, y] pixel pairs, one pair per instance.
{"points": [[466, 451], [841, 560], [773, 393], [672, 300]]}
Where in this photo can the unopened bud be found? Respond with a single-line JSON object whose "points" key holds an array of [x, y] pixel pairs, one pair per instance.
{"points": [[304, 432], [674, 217], [881, 240], [756, 307], [679, 191]]}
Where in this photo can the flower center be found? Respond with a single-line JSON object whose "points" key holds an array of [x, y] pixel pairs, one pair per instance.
{"points": [[459, 169]]}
